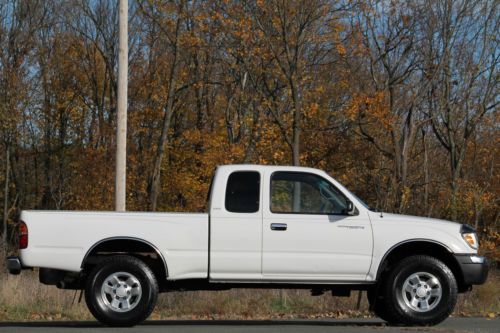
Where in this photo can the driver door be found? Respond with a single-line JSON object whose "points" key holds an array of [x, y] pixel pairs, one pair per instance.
{"points": [[307, 233]]}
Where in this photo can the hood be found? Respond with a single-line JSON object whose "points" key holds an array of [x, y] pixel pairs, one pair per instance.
{"points": [[414, 219]]}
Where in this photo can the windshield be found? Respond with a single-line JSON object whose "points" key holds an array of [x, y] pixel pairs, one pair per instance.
{"points": [[360, 201]]}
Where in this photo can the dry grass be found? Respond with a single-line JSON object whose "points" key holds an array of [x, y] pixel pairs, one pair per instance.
{"points": [[482, 300], [23, 298]]}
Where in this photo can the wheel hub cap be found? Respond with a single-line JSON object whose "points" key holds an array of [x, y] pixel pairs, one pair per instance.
{"points": [[121, 291], [422, 291]]}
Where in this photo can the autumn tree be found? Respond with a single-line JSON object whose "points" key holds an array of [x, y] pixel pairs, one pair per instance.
{"points": [[18, 23], [376, 93], [461, 70], [292, 35], [167, 19]]}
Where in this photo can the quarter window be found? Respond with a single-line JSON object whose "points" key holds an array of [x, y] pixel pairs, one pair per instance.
{"points": [[305, 193], [243, 192]]}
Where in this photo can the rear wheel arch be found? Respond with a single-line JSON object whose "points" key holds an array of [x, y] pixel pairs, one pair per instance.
{"points": [[137, 247], [421, 247]]}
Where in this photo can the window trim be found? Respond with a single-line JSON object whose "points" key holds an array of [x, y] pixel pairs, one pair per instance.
{"points": [[302, 213], [259, 196]]}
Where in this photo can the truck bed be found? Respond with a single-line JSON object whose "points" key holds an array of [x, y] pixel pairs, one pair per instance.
{"points": [[181, 238]]}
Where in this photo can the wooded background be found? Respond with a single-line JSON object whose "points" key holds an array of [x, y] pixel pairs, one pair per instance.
{"points": [[398, 100]]}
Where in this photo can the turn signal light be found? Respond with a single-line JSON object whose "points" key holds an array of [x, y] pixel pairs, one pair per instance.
{"points": [[23, 235], [471, 239]]}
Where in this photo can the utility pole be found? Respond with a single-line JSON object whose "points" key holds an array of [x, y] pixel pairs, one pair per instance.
{"points": [[121, 130]]}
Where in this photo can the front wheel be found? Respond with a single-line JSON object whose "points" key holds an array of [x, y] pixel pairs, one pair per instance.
{"points": [[419, 290], [121, 291]]}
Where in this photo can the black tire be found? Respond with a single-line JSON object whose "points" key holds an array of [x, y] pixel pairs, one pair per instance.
{"points": [[126, 305], [430, 295], [377, 304]]}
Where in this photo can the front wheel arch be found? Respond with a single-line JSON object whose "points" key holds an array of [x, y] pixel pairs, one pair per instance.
{"points": [[414, 247]]}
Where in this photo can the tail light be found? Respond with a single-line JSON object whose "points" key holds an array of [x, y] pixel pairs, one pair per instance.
{"points": [[23, 235]]}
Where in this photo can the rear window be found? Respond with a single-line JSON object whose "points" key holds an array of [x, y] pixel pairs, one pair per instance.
{"points": [[243, 192]]}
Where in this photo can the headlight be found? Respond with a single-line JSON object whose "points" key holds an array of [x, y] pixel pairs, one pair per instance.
{"points": [[469, 235]]}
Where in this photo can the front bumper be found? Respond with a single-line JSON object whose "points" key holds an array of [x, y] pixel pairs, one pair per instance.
{"points": [[474, 268], [14, 265]]}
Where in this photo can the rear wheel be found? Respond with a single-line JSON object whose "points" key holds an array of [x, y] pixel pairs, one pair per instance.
{"points": [[121, 291], [419, 290]]}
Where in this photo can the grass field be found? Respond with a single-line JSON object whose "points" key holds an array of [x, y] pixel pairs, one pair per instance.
{"points": [[23, 298]]}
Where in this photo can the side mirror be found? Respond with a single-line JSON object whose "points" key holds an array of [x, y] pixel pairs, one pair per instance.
{"points": [[350, 208]]}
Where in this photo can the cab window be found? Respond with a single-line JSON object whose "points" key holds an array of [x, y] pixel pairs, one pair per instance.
{"points": [[305, 193]]}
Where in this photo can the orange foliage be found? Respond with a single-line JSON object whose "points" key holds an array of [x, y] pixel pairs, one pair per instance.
{"points": [[235, 77], [372, 108]]}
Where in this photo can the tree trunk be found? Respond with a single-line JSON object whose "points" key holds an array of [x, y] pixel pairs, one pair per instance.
{"points": [[62, 139], [47, 187], [296, 142], [426, 174], [154, 182], [254, 136], [6, 197], [296, 123]]}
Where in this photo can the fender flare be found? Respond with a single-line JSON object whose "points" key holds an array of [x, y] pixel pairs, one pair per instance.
{"points": [[397, 245], [158, 252]]}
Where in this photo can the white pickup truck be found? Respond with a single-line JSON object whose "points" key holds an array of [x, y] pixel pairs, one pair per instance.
{"points": [[267, 227]]}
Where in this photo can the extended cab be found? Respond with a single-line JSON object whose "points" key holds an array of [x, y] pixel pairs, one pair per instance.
{"points": [[266, 227]]}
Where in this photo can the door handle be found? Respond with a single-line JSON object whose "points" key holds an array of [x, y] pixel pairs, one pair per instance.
{"points": [[278, 226]]}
